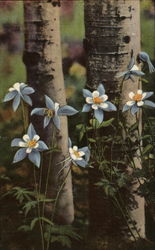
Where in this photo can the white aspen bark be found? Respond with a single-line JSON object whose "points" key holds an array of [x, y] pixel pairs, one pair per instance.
{"points": [[43, 60]]}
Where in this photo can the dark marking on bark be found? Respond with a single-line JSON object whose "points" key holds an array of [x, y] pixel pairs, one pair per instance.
{"points": [[31, 58], [126, 39]]}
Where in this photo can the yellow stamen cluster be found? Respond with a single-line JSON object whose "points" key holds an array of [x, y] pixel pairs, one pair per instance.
{"points": [[137, 97], [31, 144], [97, 100], [49, 112]]}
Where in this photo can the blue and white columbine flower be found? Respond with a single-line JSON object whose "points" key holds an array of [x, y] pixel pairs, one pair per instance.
{"points": [[53, 111], [79, 156], [97, 100], [137, 101], [30, 145], [18, 91], [132, 70]]}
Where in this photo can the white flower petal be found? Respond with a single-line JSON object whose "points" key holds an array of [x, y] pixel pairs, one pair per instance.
{"points": [[131, 95], [56, 105], [11, 89], [73, 156], [81, 153], [103, 105], [79, 158], [36, 145], [22, 144], [135, 67], [71, 151], [95, 94], [104, 98], [130, 103], [89, 100], [140, 103], [143, 95], [36, 137], [94, 106], [28, 150], [139, 92], [26, 138], [17, 86], [75, 148]]}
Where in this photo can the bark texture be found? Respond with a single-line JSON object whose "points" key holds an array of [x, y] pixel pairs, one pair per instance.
{"points": [[42, 57], [112, 31]]}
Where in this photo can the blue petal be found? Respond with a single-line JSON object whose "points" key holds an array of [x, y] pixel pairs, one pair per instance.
{"points": [[35, 158], [131, 77], [27, 91], [131, 63], [86, 108], [81, 163], [111, 107], [42, 146], [16, 102], [49, 103], [31, 131], [151, 67], [20, 155], [56, 122], [38, 111], [27, 99], [148, 94], [10, 96], [86, 93], [149, 103], [137, 73], [15, 142], [46, 121], [99, 115], [101, 89], [125, 108], [69, 143], [134, 109], [67, 110]]}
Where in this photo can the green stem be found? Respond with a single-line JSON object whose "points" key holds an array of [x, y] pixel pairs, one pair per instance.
{"points": [[38, 210], [55, 204], [24, 115]]}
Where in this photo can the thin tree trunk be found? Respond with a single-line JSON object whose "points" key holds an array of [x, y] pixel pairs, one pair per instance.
{"points": [[112, 30], [42, 57]]}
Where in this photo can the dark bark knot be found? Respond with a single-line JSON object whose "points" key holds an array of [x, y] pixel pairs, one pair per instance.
{"points": [[126, 39], [31, 58]]}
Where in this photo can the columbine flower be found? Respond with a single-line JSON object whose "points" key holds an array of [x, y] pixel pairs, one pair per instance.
{"points": [[144, 57], [18, 91], [138, 100], [53, 111], [79, 156], [97, 100], [30, 146], [132, 70]]}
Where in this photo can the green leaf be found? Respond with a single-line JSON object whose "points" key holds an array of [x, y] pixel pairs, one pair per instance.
{"points": [[35, 220], [25, 228], [147, 149], [91, 140]]}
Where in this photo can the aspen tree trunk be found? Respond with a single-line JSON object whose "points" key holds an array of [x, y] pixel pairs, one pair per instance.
{"points": [[112, 30], [42, 57]]}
